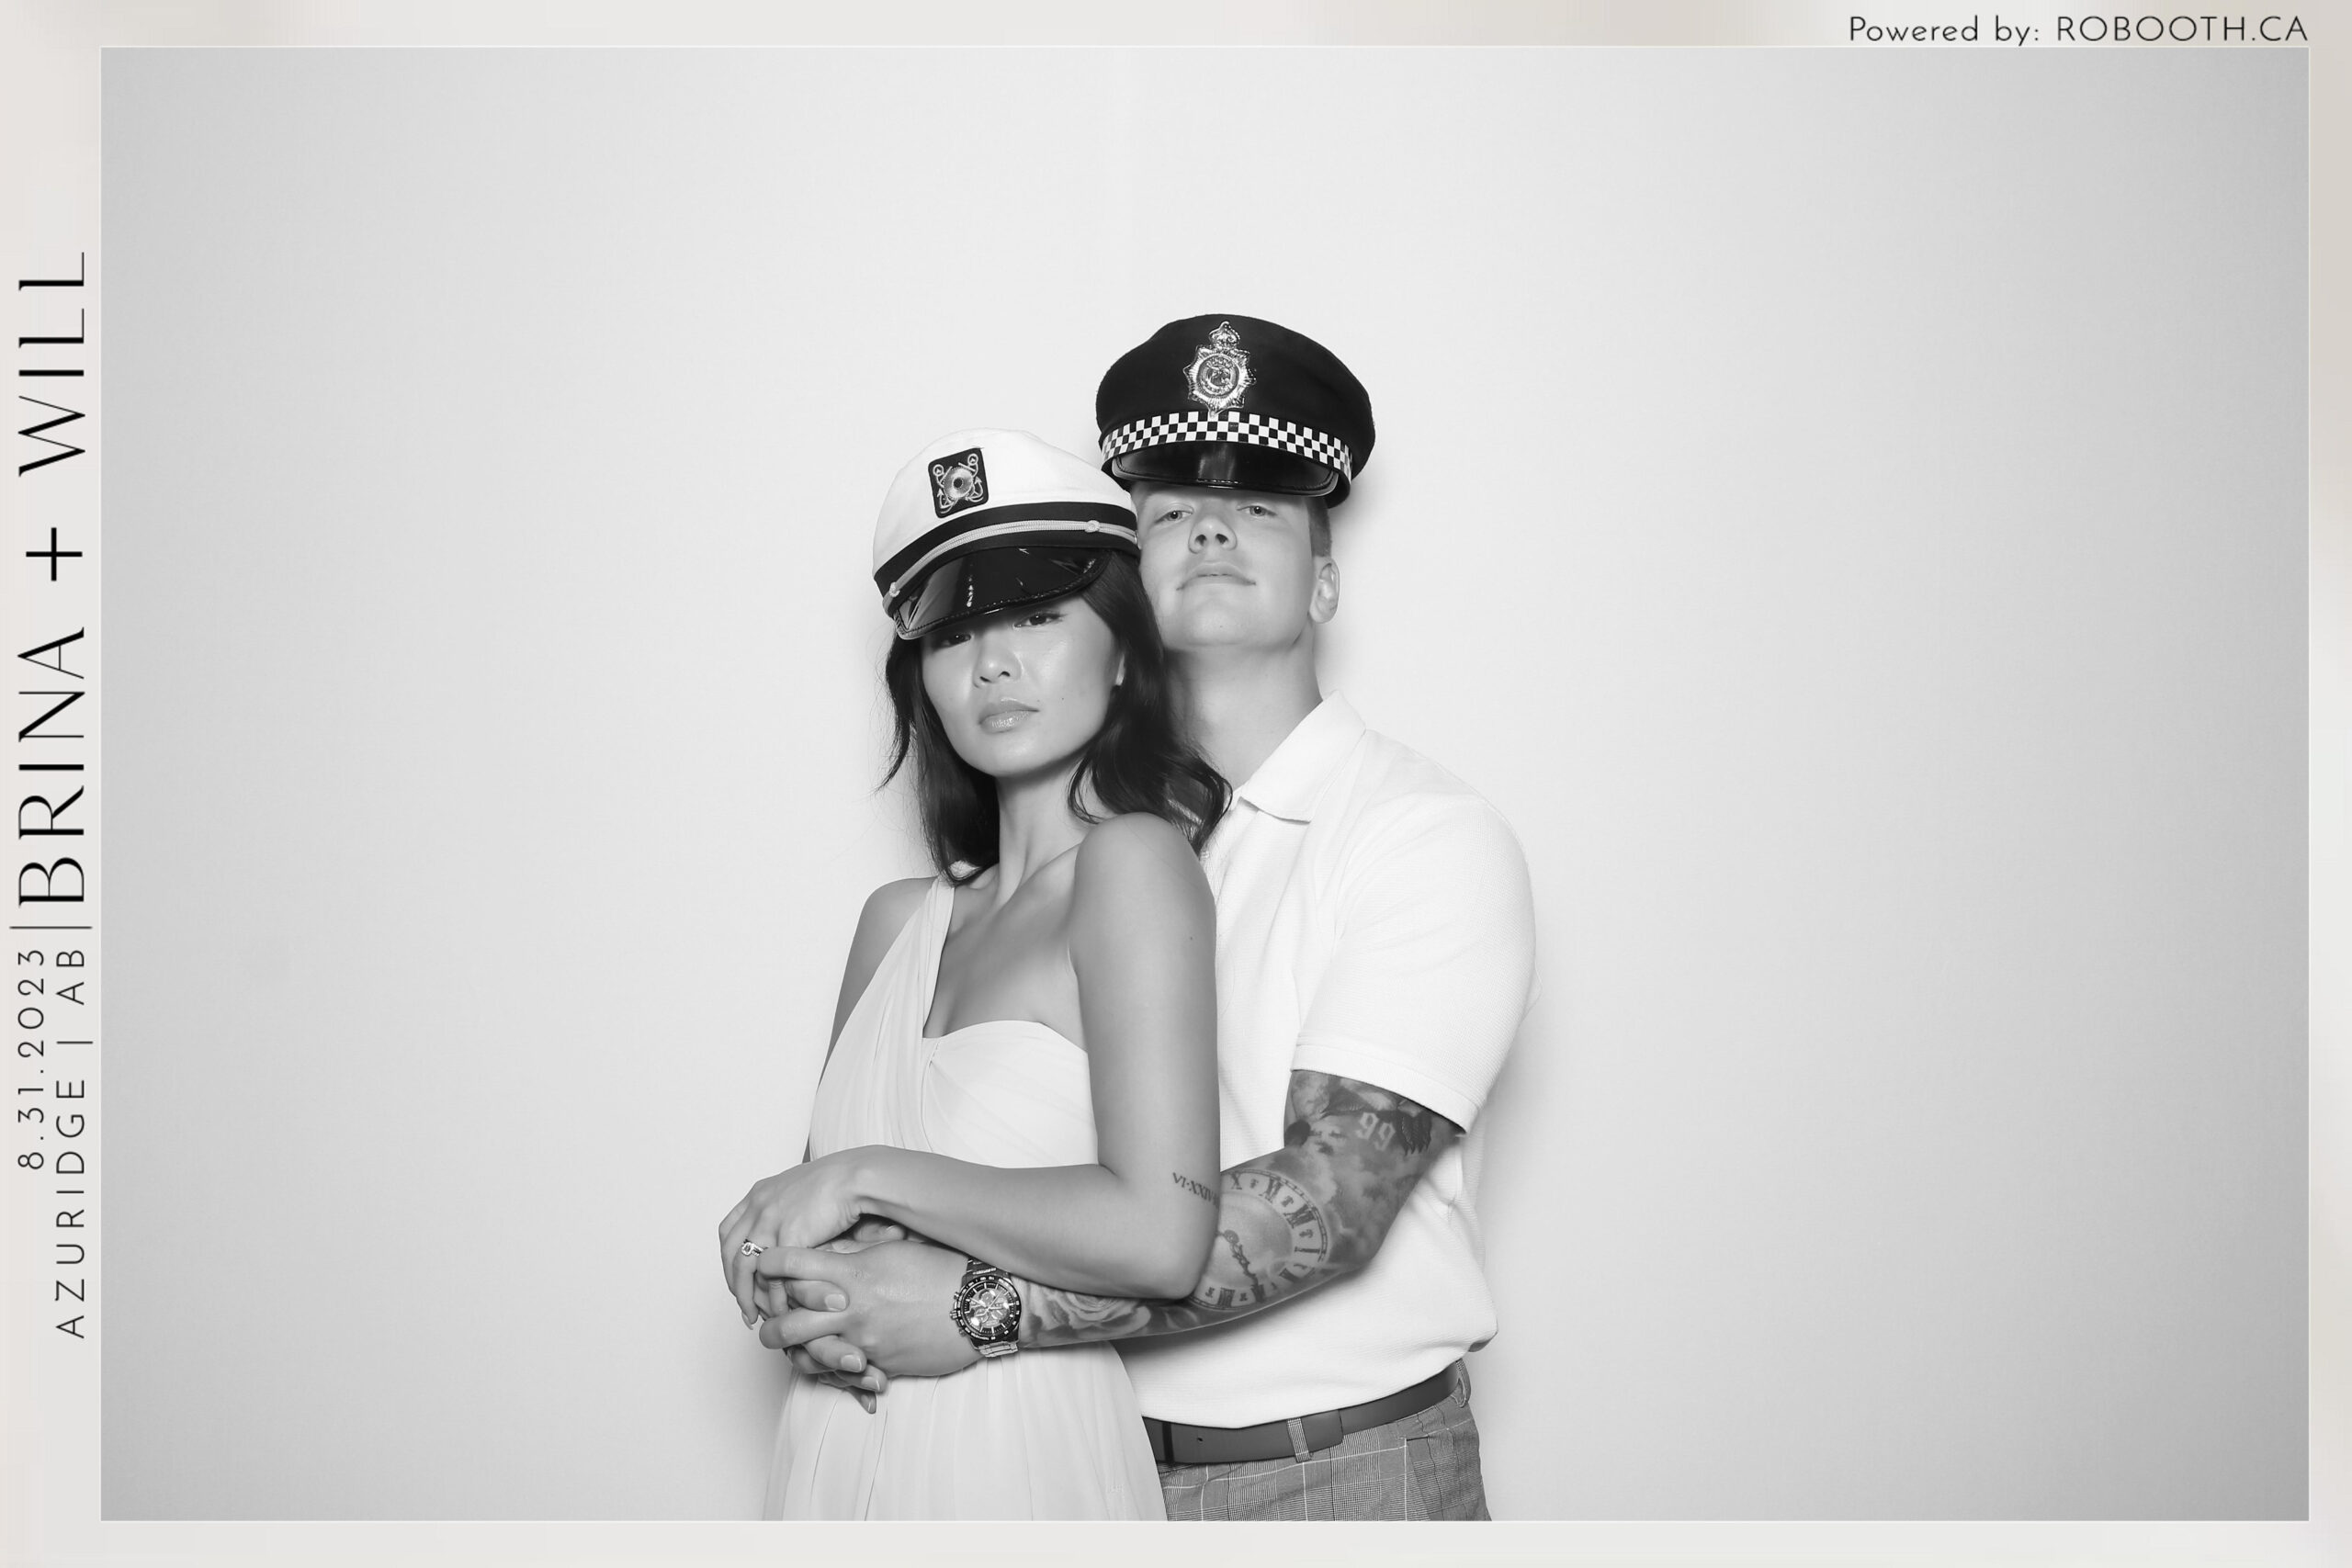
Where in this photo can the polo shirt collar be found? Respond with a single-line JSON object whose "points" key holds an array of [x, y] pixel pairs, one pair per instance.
{"points": [[1291, 782]]}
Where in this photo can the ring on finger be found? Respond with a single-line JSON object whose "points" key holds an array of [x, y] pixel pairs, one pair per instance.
{"points": [[750, 1249]]}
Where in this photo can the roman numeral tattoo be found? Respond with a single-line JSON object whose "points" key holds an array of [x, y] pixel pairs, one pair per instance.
{"points": [[1198, 1189], [1314, 1209]]}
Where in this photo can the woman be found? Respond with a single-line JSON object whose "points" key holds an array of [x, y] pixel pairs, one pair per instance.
{"points": [[1024, 1051]]}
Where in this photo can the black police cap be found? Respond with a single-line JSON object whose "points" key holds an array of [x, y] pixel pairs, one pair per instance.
{"points": [[1236, 402]]}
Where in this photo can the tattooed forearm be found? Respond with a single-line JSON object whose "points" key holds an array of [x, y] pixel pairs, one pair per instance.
{"points": [[1237, 1254], [1065, 1318], [1198, 1189], [1314, 1210]]}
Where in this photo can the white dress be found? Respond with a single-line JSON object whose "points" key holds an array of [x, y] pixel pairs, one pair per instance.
{"points": [[1041, 1434]]}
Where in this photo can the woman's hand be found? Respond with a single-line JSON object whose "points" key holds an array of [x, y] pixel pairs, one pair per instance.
{"points": [[804, 1206]]}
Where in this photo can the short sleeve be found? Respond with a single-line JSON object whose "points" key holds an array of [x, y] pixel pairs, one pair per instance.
{"points": [[1435, 957]]}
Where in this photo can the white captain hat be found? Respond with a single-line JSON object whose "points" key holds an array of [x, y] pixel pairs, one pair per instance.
{"points": [[984, 520]]}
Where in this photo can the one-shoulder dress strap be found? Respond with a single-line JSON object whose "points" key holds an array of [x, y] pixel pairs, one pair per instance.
{"points": [[869, 1092], [938, 911]]}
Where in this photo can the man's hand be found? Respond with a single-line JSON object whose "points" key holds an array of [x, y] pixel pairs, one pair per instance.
{"points": [[895, 1317], [827, 1358]]}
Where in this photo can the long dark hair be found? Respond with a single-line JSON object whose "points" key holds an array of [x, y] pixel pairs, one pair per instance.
{"points": [[1137, 762]]}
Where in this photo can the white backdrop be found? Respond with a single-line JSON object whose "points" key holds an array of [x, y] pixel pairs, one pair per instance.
{"points": [[1845, 509]]}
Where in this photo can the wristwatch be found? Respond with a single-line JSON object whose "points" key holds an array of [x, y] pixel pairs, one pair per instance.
{"points": [[987, 1309]]}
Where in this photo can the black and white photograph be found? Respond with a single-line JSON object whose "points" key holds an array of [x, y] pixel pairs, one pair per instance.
{"points": [[1232, 779]]}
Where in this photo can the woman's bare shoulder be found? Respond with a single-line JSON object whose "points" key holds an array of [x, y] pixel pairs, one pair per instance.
{"points": [[1115, 842], [1137, 856]]}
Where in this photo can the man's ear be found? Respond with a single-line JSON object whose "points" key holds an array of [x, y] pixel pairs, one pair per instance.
{"points": [[1324, 602]]}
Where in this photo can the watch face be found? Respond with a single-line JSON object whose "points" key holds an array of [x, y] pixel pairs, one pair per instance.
{"points": [[996, 1307], [988, 1309]]}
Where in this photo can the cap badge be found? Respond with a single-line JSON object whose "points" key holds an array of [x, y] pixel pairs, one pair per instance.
{"points": [[1219, 373], [958, 482]]}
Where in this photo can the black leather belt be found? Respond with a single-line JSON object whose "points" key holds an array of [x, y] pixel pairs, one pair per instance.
{"points": [[1172, 1442]]}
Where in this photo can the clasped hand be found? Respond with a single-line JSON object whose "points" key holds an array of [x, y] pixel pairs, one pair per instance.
{"points": [[867, 1299], [803, 1207], [864, 1305]]}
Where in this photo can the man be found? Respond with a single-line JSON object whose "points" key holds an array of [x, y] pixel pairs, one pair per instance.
{"points": [[1374, 958]]}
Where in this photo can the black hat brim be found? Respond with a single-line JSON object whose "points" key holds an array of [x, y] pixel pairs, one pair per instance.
{"points": [[1228, 465], [986, 580]]}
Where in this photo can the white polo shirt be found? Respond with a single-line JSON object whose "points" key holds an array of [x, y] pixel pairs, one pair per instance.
{"points": [[1373, 921]]}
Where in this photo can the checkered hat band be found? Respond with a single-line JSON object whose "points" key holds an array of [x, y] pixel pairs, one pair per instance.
{"points": [[1253, 429]]}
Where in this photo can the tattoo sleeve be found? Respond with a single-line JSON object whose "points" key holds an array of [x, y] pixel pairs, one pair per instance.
{"points": [[1314, 1210]]}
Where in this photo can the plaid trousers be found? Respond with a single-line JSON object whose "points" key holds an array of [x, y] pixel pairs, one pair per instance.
{"points": [[1423, 1467]]}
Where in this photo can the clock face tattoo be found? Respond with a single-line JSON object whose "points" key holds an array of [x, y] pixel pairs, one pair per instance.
{"points": [[1278, 1240]]}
